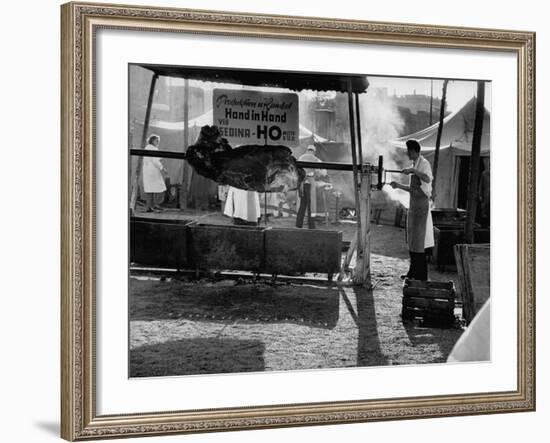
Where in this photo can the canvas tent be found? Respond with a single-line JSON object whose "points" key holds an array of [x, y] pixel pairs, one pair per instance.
{"points": [[455, 147]]}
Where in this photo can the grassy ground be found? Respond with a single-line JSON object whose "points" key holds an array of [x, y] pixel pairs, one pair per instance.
{"points": [[179, 326]]}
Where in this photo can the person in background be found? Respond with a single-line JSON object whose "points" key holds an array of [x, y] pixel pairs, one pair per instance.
{"points": [[272, 200], [153, 178], [307, 198], [283, 208], [419, 222]]}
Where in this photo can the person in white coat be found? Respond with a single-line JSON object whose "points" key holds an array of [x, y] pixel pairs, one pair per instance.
{"points": [[153, 178]]}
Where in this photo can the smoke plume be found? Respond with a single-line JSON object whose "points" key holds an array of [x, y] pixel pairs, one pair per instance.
{"points": [[380, 123]]}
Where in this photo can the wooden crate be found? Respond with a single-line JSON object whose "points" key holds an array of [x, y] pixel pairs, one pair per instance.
{"points": [[474, 277], [432, 301], [448, 216]]}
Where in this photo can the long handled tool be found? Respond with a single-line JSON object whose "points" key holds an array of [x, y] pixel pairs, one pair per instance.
{"points": [[382, 173]]}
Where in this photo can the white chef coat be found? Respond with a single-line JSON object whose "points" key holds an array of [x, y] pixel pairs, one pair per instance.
{"points": [[153, 181], [423, 165], [242, 204], [430, 241]]}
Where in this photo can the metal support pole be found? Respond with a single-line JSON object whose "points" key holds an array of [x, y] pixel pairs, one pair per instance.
{"points": [[265, 208], [438, 139], [185, 170], [334, 166]]}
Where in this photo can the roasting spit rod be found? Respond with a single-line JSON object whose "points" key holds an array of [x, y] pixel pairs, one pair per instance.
{"points": [[182, 156], [366, 167]]}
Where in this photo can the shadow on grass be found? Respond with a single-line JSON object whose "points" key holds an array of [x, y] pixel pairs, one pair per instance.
{"points": [[369, 351], [157, 300], [197, 356], [426, 334]]}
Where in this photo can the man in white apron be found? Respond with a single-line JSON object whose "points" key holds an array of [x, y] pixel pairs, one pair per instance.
{"points": [[419, 219], [153, 179]]}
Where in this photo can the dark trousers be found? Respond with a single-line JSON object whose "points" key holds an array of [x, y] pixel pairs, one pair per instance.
{"points": [[419, 266], [305, 204]]}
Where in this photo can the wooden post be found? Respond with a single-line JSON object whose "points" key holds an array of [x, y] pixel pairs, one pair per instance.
{"points": [[139, 167], [362, 182], [337, 208], [355, 168], [265, 208], [327, 210], [347, 259], [438, 139], [431, 101], [185, 166], [359, 141], [362, 266], [473, 184]]}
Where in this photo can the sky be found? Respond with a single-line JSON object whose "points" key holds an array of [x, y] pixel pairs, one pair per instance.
{"points": [[458, 91]]}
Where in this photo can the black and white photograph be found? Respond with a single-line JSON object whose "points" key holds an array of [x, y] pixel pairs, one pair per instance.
{"points": [[283, 221]]}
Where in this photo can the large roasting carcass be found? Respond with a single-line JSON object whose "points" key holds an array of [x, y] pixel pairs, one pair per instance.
{"points": [[249, 167]]}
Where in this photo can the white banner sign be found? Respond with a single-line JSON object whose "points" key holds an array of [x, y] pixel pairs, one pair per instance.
{"points": [[254, 117]]}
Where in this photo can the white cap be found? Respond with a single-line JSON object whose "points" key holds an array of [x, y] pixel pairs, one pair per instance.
{"points": [[311, 148]]}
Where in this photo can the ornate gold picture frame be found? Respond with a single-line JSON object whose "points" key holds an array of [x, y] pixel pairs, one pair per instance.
{"points": [[80, 22]]}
